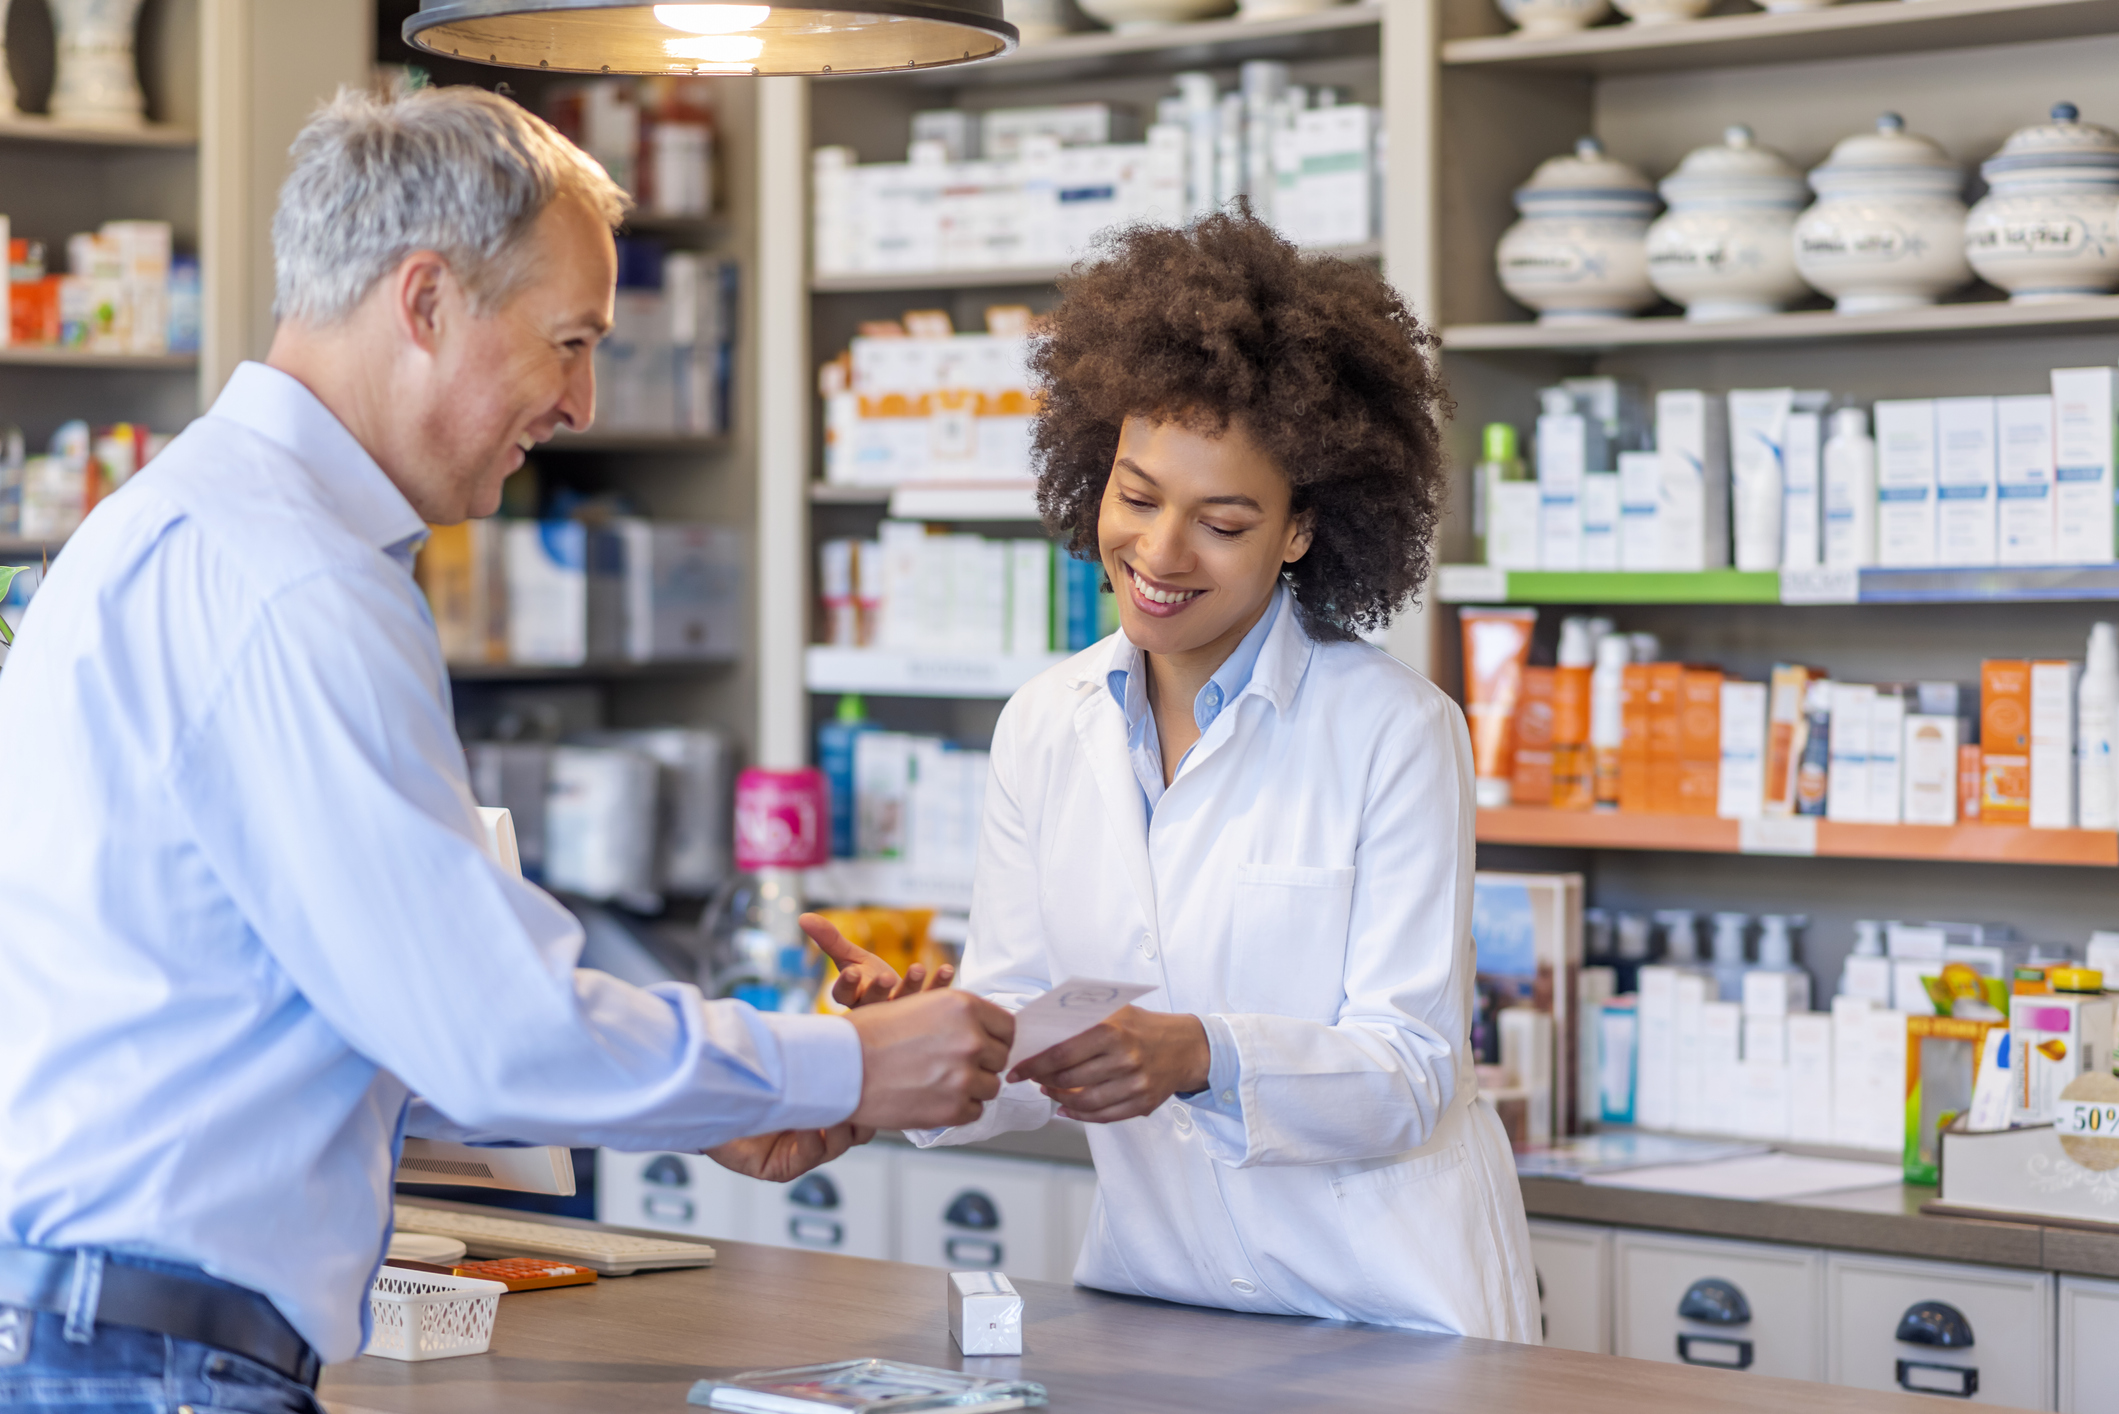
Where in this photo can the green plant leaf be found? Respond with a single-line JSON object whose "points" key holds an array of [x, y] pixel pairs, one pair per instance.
{"points": [[7, 579]]}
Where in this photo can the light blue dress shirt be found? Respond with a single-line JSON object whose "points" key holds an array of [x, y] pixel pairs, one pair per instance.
{"points": [[1129, 687], [245, 910]]}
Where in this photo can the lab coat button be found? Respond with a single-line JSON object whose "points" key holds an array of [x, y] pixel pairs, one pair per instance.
{"points": [[1182, 1117], [1242, 1287], [1147, 949]]}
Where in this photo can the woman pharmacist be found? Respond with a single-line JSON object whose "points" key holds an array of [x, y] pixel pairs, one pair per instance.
{"points": [[1236, 801]]}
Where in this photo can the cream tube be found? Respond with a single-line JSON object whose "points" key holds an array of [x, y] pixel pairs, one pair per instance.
{"points": [[1496, 646]]}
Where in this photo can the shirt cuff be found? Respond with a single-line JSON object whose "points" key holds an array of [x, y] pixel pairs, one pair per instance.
{"points": [[820, 1070], [1218, 1109]]}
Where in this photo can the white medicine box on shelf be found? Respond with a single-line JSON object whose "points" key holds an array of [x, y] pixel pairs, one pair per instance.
{"points": [[974, 1213], [1725, 1305], [1573, 1265], [1982, 1334]]}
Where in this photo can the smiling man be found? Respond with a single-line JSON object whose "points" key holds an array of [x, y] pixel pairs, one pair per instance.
{"points": [[245, 911]]}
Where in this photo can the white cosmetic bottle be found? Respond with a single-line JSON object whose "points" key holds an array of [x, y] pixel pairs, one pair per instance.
{"points": [[1850, 491], [2096, 708]]}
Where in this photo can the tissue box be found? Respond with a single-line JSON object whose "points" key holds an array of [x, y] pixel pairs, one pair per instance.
{"points": [[985, 1314]]}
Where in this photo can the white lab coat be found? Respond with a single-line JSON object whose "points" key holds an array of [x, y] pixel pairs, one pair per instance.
{"points": [[1308, 877]]}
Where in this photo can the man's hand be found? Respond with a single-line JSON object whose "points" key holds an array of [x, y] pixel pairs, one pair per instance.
{"points": [[863, 977], [783, 1157], [928, 1060], [1125, 1066]]}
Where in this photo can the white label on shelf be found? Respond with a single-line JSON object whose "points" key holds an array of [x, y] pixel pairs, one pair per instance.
{"points": [[1778, 834], [1822, 584], [2090, 1118], [1469, 584]]}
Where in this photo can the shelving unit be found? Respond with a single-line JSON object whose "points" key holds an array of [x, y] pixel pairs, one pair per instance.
{"points": [[883, 673], [32, 127], [1848, 31], [1001, 276], [1803, 836], [1482, 584], [1965, 73]]}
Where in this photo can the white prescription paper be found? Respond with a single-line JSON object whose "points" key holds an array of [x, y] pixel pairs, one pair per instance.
{"points": [[1762, 1176], [1065, 1012]]}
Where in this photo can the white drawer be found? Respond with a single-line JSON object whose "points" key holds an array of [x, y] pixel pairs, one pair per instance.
{"points": [[1573, 1263], [2007, 1315], [1073, 1202], [2089, 1356], [968, 1212], [687, 1193], [844, 1206], [1775, 1294]]}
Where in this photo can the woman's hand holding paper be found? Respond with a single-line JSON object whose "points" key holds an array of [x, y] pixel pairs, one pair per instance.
{"points": [[1127, 1065]]}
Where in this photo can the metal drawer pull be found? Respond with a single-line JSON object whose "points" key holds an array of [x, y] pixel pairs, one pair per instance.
{"points": [[1715, 1351], [1927, 1377], [973, 1252], [815, 1232]]}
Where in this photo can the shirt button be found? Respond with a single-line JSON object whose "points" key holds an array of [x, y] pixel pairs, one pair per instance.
{"points": [[1228, 1097], [1182, 1117], [1240, 1286]]}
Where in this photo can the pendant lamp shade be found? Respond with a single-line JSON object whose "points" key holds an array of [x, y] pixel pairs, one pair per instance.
{"points": [[808, 37]]}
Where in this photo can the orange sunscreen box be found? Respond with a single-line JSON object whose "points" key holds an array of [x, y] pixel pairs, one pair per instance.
{"points": [[1532, 781], [1699, 740], [1573, 765], [2005, 741], [1633, 741], [1666, 691]]}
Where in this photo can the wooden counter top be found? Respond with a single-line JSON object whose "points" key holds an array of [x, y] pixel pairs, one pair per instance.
{"points": [[638, 1342]]}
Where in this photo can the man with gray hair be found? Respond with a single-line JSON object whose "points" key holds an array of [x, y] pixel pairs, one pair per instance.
{"points": [[246, 909]]}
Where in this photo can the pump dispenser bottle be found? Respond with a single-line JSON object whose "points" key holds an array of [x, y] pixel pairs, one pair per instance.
{"points": [[1729, 955], [1850, 491], [1573, 768], [2096, 706], [1607, 715], [1867, 973], [1681, 936]]}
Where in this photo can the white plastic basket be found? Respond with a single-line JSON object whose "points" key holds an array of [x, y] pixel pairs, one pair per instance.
{"points": [[429, 1316]]}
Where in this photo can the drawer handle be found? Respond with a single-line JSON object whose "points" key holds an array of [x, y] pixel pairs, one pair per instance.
{"points": [[815, 1232], [1927, 1377], [973, 1252], [663, 1209], [1715, 1351]]}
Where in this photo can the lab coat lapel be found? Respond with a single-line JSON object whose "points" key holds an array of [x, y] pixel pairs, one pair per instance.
{"points": [[1102, 729]]}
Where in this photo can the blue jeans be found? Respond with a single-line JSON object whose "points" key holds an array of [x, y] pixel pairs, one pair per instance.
{"points": [[124, 1370]]}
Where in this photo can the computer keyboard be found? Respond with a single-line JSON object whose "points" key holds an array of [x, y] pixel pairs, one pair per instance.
{"points": [[614, 1254]]}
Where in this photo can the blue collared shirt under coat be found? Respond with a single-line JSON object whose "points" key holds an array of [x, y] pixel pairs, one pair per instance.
{"points": [[1129, 687], [245, 907]]}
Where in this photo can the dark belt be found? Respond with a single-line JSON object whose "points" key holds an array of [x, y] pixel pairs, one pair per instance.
{"points": [[230, 1318]]}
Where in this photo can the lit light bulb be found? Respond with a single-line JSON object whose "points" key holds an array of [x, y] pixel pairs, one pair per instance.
{"points": [[712, 19], [716, 48]]}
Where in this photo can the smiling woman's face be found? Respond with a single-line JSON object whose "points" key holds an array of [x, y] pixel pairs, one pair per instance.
{"points": [[1194, 531]]}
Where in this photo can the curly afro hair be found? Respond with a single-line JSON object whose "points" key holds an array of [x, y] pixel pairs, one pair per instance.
{"points": [[1319, 360]]}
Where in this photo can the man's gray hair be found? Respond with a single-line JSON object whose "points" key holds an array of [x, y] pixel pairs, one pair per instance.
{"points": [[458, 171]]}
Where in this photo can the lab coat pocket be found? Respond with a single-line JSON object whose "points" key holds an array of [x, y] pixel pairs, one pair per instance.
{"points": [[1288, 940], [1421, 1236]]}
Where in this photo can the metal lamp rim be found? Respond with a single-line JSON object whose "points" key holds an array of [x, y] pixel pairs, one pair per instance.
{"points": [[981, 15]]}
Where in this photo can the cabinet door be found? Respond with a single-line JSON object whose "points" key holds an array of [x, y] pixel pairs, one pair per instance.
{"points": [[1733, 1305], [2089, 1357], [1073, 1203], [970, 1212], [1983, 1334], [844, 1206], [1573, 1263], [687, 1193]]}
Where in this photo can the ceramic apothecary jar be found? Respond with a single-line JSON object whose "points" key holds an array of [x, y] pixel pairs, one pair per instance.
{"points": [[2048, 227], [1662, 12], [1533, 18], [1581, 250], [1887, 229], [1726, 247]]}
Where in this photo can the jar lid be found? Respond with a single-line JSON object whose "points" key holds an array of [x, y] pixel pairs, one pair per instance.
{"points": [[1735, 171], [1588, 174], [2064, 143], [1889, 157], [2075, 979]]}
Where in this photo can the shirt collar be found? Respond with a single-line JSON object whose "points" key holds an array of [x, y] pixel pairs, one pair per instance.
{"points": [[1127, 683], [278, 407]]}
